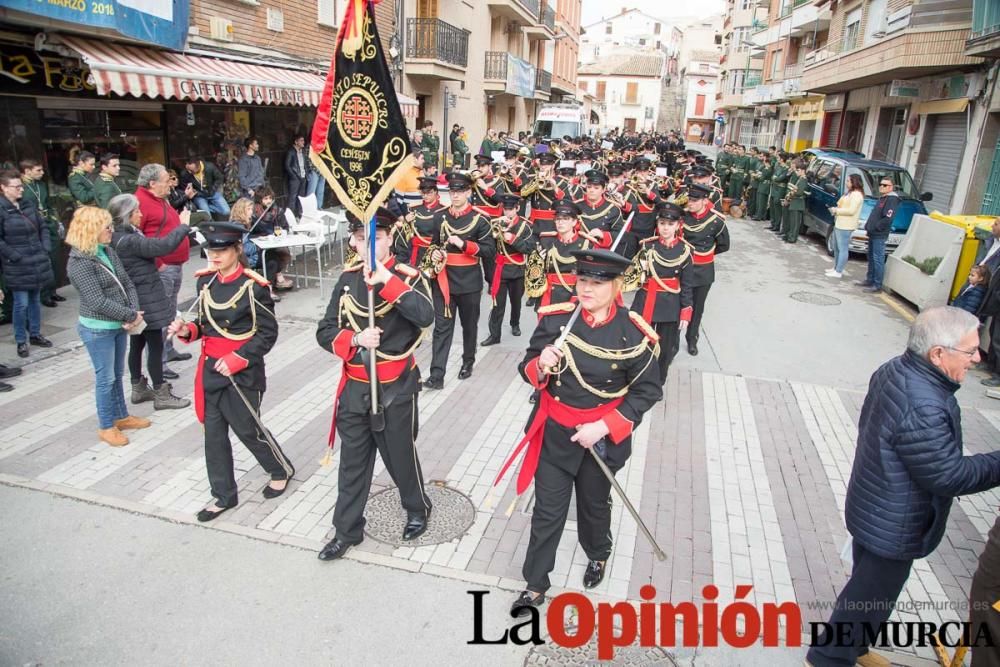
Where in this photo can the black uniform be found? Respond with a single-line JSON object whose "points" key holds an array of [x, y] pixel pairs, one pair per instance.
{"points": [[618, 391], [462, 278], [542, 201], [560, 281], [508, 277], [485, 198], [708, 236], [236, 323], [425, 222], [666, 296], [402, 310], [604, 217]]}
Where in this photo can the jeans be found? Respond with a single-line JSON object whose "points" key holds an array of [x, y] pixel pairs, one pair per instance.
{"points": [[841, 245], [316, 185], [27, 315], [107, 354], [215, 204], [876, 261], [170, 276]]}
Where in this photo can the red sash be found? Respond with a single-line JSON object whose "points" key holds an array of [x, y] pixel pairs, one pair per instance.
{"points": [[418, 242], [703, 258], [652, 289], [490, 211], [387, 371], [552, 280], [537, 214], [562, 414], [212, 347], [502, 261]]}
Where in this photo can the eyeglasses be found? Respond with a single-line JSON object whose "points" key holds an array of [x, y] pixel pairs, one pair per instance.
{"points": [[965, 352]]}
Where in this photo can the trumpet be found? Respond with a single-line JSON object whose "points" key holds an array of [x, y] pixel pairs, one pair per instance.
{"points": [[429, 264], [499, 226], [635, 274]]}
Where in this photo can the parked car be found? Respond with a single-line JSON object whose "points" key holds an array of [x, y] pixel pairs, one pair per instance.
{"points": [[827, 175]]}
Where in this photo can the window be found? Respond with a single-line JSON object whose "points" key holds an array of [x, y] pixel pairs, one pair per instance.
{"points": [[632, 92], [852, 28], [702, 67], [642, 42], [427, 9], [746, 5], [877, 24], [326, 12], [776, 63], [584, 86], [601, 89], [607, 29], [740, 42], [656, 28], [699, 106]]}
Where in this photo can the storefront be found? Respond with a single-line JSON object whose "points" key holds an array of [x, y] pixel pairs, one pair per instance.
{"points": [[805, 118], [833, 119]]}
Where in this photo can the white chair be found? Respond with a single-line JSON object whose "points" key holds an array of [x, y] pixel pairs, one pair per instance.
{"points": [[308, 204], [290, 219]]}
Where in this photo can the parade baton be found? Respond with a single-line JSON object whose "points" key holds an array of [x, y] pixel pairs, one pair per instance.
{"points": [[260, 425], [198, 298], [377, 418]]}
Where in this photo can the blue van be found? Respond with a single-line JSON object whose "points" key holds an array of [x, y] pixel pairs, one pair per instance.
{"points": [[827, 175]]}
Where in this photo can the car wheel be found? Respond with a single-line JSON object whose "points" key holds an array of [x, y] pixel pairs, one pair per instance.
{"points": [[830, 242]]}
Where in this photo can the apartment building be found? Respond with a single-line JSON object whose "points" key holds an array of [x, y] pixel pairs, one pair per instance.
{"points": [[700, 78], [630, 30], [630, 87], [740, 69]]}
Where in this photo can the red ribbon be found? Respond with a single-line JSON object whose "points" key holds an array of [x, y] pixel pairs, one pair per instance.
{"points": [[652, 289], [212, 347], [387, 371], [502, 261]]}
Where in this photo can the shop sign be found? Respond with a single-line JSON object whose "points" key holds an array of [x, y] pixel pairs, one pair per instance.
{"points": [[162, 22], [900, 88], [834, 102], [215, 91], [26, 71], [806, 110]]}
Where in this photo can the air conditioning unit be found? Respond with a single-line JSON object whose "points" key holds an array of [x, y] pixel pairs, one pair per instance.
{"points": [[809, 40], [275, 20], [221, 29]]}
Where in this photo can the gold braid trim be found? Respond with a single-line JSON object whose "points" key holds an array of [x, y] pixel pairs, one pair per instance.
{"points": [[602, 353], [558, 259], [698, 228], [447, 230], [208, 304], [349, 308]]}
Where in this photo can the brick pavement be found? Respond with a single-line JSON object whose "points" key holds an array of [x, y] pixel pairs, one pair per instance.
{"points": [[741, 480]]}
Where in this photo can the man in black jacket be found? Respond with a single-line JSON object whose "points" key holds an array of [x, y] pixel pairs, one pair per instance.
{"points": [[878, 226], [991, 305], [205, 179], [297, 172]]}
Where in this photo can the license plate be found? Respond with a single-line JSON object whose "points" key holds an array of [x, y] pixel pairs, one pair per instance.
{"points": [[896, 239]]}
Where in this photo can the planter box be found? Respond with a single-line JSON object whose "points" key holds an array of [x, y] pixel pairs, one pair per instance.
{"points": [[925, 238]]}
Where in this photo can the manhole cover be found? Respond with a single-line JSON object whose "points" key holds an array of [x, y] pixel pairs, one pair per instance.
{"points": [[550, 654], [452, 515], [816, 299]]}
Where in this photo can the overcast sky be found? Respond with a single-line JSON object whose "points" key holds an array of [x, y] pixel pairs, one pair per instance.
{"points": [[595, 10]]}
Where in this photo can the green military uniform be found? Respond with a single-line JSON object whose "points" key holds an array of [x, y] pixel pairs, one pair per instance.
{"points": [[737, 176], [459, 150], [81, 187], [105, 188], [431, 146], [761, 211], [753, 178], [779, 185], [37, 192], [722, 165], [798, 188]]}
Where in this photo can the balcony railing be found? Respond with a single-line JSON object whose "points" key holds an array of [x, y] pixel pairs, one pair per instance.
{"points": [[543, 81], [752, 79], [985, 18], [793, 71], [435, 39], [548, 17], [799, 3], [495, 66], [758, 26], [531, 5]]}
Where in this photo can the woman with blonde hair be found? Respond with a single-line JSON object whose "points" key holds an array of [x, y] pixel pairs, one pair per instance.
{"points": [[109, 313], [243, 214]]}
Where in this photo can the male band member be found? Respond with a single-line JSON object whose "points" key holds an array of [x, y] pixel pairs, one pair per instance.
{"points": [[722, 165], [762, 210], [593, 393], [36, 191], [737, 174], [665, 298], [569, 182], [466, 238], [702, 175], [401, 299], [237, 328], [795, 201], [542, 192], [422, 222], [779, 186], [645, 199], [487, 188], [514, 241], [753, 181], [597, 214], [105, 186], [705, 230], [80, 185]]}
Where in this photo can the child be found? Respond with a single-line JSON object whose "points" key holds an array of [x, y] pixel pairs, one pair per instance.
{"points": [[970, 298]]}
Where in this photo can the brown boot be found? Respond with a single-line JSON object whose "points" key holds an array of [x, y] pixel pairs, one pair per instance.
{"points": [[113, 436], [132, 422], [873, 659]]}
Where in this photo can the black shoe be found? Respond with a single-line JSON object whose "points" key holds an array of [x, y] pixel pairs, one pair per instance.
{"points": [[48, 303], [693, 348], [40, 341], [8, 372], [209, 514], [515, 330], [169, 374], [416, 525], [270, 492], [4, 387], [22, 350], [594, 573], [334, 549], [58, 298], [466, 372], [524, 602], [174, 355], [433, 383], [492, 340]]}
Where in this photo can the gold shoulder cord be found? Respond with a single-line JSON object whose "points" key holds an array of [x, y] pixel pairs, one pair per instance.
{"points": [[558, 259], [573, 341], [350, 308], [447, 230], [702, 226], [208, 304]]}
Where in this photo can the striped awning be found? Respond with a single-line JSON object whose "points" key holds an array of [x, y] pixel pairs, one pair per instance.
{"points": [[141, 72]]}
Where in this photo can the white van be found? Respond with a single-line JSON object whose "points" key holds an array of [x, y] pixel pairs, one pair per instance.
{"points": [[556, 121]]}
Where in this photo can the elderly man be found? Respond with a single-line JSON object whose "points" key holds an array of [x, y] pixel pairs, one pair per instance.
{"points": [[908, 467], [206, 181], [158, 220]]}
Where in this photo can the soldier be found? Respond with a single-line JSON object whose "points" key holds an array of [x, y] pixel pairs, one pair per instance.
{"points": [[80, 185], [431, 145], [761, 209], [705, 230], [753, 177], [237, 327], [666, 296], [465, 238], [779, 185], [36, 191], [598, 216], [722, 165], [401, 299], [542, 191], [795, 198], [737, 174], [105, 187], [605, 379], [514, 240], [422, 222]]}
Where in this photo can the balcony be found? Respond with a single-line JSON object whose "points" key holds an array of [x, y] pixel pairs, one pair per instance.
{"points": [[758, 26], [544, 26], [525, 12], [495, 71], [499, 77], [436, 49], [984, 40], [752, 80], [543, 84]]}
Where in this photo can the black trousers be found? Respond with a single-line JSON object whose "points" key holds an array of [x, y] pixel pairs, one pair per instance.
{"points": [[554, 485], [465, 308], [698, 310], [357, 461], [670, 342], [515, 289], [224, 410], [984, 592], [994, 356], [153, 339], [868, 597], [489, 266]]}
